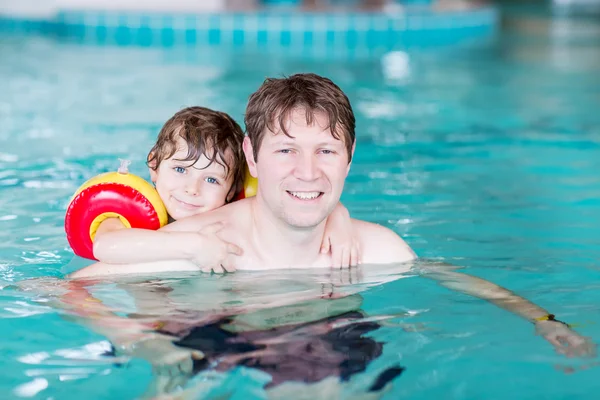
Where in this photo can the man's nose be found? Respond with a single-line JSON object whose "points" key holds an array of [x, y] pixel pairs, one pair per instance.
{"points": [[307, 168]]}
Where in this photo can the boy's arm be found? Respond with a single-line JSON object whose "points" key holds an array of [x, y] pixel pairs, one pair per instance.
{"points": [[137, 251], [114, 244], [106, 270], [339, 239]]}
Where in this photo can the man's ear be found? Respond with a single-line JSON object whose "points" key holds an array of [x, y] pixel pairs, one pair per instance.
{"points": [[152, 167], [249, 153], [352, 153]]}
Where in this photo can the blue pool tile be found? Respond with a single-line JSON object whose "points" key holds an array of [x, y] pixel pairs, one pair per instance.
{"points": [[144, 36], [167, 37], [190, 22], [238, 37], [261, 20], [98, 19], [307, 38], [202, 36], [351, 39], [73, 18], [75, 30], [191, 37], [262, 37], [330, 37], [145, 22], [123, 36], [101, 34], [168, 22], [285, 38], [372, 38], [214, 22], [126, 21], [238, 22], [214, 36]]}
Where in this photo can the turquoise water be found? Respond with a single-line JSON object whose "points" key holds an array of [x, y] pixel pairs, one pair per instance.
{"points": [[483, 156]]}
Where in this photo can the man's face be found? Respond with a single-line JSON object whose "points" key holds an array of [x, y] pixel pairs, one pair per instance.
{"points": [[300, 178], [188, 190]]}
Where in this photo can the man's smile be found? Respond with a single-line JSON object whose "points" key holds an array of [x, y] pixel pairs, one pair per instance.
{"points": [[304, 196]]}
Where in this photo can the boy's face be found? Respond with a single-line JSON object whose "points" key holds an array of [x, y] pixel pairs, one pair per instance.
{"points": [[188, 190]]}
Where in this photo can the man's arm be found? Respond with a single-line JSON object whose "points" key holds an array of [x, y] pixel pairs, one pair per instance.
{"points": [[382, 245], [558, 333], [448, 277]]}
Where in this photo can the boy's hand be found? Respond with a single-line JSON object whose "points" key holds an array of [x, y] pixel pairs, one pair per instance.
{"points": [[215, 254], [339, 239]]}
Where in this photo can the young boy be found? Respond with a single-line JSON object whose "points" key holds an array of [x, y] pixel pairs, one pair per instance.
{"points": [[198, 165]]}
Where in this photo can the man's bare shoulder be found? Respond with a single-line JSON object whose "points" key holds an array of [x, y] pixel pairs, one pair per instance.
{"points": [[381, 245], [228, 214]]}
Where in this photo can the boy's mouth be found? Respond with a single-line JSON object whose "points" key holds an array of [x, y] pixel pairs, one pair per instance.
{"points": [[186, 204]]}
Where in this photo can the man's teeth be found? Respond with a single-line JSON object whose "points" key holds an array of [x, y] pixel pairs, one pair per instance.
{"points": [[305, 195]]}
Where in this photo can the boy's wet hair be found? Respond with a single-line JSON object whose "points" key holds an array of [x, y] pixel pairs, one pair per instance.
{"points": [[208, 132], [269, 108]]}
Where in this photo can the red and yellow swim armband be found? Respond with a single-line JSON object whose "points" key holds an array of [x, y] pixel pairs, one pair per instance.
{"points": [[250, 187], [113, 194]]}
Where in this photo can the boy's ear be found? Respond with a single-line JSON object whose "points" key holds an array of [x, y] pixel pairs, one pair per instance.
{"points": [[249, 153], [152, 167]]}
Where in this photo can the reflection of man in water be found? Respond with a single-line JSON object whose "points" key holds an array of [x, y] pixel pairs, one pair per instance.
{"points": [[300, 144], [297, 334], [333, 347]]}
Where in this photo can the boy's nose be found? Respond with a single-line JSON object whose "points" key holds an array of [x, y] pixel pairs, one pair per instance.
{"points": [[193, 188]]}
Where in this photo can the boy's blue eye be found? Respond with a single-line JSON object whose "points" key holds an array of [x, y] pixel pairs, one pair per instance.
{"points": [[210, 179], [180, 170]]}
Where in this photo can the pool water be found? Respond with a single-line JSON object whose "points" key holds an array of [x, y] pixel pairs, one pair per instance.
{"points": [[482, 156]]}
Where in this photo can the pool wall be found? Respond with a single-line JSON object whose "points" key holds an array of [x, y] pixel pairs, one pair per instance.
{"points": [[216, 22]]}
